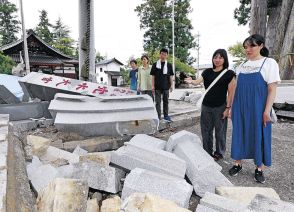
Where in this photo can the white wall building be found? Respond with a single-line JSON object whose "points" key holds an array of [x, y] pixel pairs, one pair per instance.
{"points": [[108, 72]]}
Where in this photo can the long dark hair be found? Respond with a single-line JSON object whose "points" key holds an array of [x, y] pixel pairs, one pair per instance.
{"points": [[223, 54], [257, 40]]}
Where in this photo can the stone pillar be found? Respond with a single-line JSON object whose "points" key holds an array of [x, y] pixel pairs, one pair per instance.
{"points": [[86, 41]]}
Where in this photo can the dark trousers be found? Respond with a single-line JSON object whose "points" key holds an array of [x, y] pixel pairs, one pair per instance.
{"points": [[148, 93], [165, 95], [211, 118]]}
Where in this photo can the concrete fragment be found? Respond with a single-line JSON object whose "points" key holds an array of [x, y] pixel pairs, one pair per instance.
{"points": [[3, 188], [147, 141], [38, 144], [202, 170], [99, 177], [194, 97], [40, 175], [45, 86], [59, 162], [148, 202], [92, 205], [102, 158], [202, 208], [79, 151], [26, 110], [6, 97], [54, 153], [178, 95], [88, 116], [3, 162], [181, 136], [165, 186], [4, 119], [97, 196], [3, 147], [245, 194], [220, 203], [3, 133], [63, 195], [111, 205], [262, 204], [132, 155]]}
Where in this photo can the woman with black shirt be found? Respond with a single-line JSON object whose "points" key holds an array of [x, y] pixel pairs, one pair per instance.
{"points": [[216, 104]]}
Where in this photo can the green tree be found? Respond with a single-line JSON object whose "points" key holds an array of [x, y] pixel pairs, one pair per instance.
{"points": [[155, 17], [99, 57], [6, 64], [61, 38], [238, 52], [9, 25], [43, 28]]}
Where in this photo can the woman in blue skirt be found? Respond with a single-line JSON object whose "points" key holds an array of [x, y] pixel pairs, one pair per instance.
{"points": [[257, 80]]}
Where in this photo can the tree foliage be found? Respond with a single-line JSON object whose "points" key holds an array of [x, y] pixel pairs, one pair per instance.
{"points": [[156, 19], [9, 24], [6, 64], [99, 57], [61, 39], [237, 51], [43, 27]]}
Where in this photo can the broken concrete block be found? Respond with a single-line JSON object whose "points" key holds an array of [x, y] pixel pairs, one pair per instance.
{"points": [[262, 203], [79, 151], [3, 162], [99, 177], [59, 162], [4, 119], [3, 188], [102, 158], [132, 156], [6, 97], [202, 208], [54, 153], [220, 203], [178, 95], [202, 170], [63, 195], [40, 175], [165, 186], [111, 205], [3, 133], [147, 141], [181, 137], [245, 194], [194, 97], [149, 202], [92, 205], [97, 196], [3, 147], [38, 144]]}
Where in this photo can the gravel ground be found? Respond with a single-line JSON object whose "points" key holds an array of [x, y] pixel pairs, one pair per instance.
{"points": [[280, 176]]}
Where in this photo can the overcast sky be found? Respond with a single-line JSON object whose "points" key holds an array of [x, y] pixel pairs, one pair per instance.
{"points": [[117, 31]]}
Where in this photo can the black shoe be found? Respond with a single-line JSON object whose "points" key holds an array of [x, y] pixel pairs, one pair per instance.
{"points": [[217, 156], [258, 176], [235, 170]]}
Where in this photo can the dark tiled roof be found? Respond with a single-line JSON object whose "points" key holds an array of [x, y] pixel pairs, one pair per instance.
{"points": [[39, 59], [104, 62], [113, 73]]}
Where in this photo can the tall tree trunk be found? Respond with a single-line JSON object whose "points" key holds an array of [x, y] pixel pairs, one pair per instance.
{"points": [[258, 17], [286, 67], [275, 35]]}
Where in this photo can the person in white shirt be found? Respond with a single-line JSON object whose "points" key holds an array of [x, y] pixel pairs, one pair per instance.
{"points": [[255, 92]]}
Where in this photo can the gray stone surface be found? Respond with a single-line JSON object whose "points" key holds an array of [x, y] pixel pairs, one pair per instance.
{"points": [[54, 153], [102, 158], [6, 97], [79, 151], [45, 86], [165, 186], [99, 177], [262, 204], [220, 203], [147, 141], [285, 95], [88, 116], [182, 136], [245, 194], [26, 110], [131, 156], [202, 208], [178, 94], [40, 175]]}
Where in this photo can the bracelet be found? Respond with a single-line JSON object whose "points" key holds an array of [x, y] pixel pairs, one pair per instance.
{"points": [[228, 107]]}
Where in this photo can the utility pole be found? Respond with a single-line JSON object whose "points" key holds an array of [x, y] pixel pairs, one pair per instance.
{"points": [[173, 37], [25, 44], [198, 48]]}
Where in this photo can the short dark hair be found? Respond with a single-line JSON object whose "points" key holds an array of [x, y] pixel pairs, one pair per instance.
{"points": [[145, 56], [165, 50], [133, 61], [223, 54], [257, 40]]}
